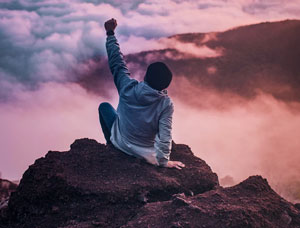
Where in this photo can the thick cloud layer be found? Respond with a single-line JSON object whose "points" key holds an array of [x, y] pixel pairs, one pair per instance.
{"points": [[44, 41], [247, 137], [239, 137]]}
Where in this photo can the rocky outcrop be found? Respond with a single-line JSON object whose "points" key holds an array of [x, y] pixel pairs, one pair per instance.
{"points": [[97, 185], [93, 185], [6, 188], [252, 203]]}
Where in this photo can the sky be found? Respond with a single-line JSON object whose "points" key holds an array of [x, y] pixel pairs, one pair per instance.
{"points": [[47, 47]]}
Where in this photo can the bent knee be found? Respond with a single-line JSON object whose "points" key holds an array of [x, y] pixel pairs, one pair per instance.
{"points": [[103, 105]]}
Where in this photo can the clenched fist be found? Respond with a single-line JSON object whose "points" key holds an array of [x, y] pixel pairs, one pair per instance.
{"points": [[110, 25]]}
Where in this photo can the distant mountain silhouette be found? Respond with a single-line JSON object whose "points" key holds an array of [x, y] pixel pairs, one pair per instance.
{"points": [[255, 58]]}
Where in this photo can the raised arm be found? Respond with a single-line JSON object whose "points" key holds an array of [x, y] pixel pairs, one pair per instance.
{"points": [[116, 60]]}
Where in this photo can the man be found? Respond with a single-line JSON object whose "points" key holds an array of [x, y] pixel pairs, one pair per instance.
{"points": [[142, 124]]}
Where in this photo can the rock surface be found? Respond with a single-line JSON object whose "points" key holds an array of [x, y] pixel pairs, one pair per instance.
{"points": [[97, 185], [93, 185], [252, 203], [6, 188]]}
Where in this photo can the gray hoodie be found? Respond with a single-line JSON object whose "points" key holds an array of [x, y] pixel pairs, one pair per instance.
{"points": [[144, 122]]}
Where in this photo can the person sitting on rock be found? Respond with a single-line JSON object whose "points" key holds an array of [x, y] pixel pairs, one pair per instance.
{"points": [[142, 124]]}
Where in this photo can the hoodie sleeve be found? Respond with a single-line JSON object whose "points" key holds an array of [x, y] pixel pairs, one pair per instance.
{"points": [[163, 140], [117, 63]]}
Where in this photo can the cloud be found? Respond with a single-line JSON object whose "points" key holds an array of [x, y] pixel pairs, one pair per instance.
{"points": [[44, 44], [276, 9], [238, 137], [172, 17], [50, 118], [193, 50], [42, 40], [134, 44]]}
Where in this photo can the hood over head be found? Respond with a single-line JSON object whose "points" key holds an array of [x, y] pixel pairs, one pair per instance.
{"points": [[146, 95]]}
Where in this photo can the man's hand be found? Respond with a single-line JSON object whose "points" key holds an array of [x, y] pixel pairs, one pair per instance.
{"points": [[175, 164], [110, 25]]}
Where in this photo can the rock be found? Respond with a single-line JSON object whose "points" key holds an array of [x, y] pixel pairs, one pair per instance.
{"points": [[143, 198], [252, 203], [180, 200], [55, 209], [3, 208], [97, 224], [94, 182], [6, 187], [93, 185]]}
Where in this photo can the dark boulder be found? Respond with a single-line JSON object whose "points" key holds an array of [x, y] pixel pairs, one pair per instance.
{"points": [[252, 203], [97, 185], [93, 185], [6, 188]]}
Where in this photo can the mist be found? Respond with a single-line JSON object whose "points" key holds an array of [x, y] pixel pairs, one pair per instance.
{"points": [[238, 137]]}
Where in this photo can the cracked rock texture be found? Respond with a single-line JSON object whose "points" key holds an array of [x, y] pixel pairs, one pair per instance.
{"points": [[252, 203], [96, 185], [93, 185]]}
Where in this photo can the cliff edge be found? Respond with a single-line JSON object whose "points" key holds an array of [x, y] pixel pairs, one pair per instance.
{"points": [[93, 185]]}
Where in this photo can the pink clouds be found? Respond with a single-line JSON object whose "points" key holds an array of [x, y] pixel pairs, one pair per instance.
{"points": [[76, 28], [50, 118], [172, 17], [236, 137], [17, 25], [134, 44], [239, 137], [193, 50]]}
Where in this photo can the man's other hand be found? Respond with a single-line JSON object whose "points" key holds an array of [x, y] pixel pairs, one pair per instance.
{"points": [[175, 164], [110, 25]]}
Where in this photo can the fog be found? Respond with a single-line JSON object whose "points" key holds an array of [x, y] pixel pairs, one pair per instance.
{"points": [[239, 138], [235, 136]]}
